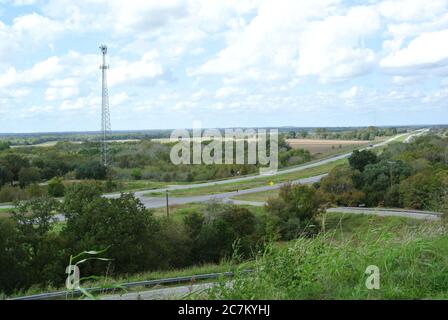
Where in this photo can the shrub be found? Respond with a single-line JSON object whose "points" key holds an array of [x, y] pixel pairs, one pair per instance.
{"points": [[56, 187], [294, 211]]}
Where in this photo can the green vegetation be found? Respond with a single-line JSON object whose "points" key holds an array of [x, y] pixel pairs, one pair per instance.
{"points": [[413, 265], [258, 196], [369, 133], [136, 164], [297, 250], [34, 248], [413, 175], [256, 182]]}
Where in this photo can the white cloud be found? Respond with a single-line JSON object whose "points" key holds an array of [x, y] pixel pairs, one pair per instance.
{"points": [[428, 50], [55, 93], [225, 92], [24, 2], [28, 32], [141, 72], [333, 48], [43, 70], [303, 36], [412, 10], [350, 93], [269, 42]]}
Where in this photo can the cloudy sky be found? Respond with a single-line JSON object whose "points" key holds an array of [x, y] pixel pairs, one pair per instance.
{"points": [[223, 62]]}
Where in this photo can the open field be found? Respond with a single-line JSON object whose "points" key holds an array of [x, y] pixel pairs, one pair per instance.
{"points": [[315, 146]]}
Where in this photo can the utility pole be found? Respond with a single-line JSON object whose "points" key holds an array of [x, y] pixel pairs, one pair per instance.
{"points": [[105, 114], [167, 205]]}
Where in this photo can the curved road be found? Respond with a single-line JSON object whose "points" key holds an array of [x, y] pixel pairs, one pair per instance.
{"points": [[156, 202], [384, 212], [141, 193]]}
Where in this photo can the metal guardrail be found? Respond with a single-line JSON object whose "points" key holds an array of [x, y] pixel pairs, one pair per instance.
{"points": [[147, 283]]}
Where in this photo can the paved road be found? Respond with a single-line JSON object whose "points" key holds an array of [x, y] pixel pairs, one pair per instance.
{"points": [[157, 202], [162, 294], [415, 214], [413, 136], [248, 178]]}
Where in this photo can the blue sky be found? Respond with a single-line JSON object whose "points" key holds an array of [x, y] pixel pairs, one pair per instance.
{"points": [[225, 63]]}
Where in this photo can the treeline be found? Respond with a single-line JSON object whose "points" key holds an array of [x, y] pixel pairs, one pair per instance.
{"points": [[369, 133], [35, 249], [413, 175], [24, 139], [23, 170]]}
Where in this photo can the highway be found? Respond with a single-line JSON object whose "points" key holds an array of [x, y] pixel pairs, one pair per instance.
{"points": [[385, 212], [157, 202], [253, 177]]}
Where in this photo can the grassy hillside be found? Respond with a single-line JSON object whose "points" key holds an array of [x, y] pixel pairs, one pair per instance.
{"points": [[412, 258]]}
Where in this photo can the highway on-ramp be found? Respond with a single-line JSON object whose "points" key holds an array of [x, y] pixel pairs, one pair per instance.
{"points": [[253, 177], [157, 202]]}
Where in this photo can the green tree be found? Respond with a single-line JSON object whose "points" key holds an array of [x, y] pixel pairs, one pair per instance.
{"points": [[338, 188], [360, 159], [91, 170], [28, 175], [124, 226], [13, 258], [15, 163], [56, 187], [79, 195], [295, 210], [4, 145], [6, 175], [35, 220], [417, 190]]}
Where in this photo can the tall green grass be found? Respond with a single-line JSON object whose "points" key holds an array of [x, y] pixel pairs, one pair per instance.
{"points": [[413, 265]]}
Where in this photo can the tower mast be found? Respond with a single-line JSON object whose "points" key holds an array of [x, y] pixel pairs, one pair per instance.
{"points": [[105, 114]]}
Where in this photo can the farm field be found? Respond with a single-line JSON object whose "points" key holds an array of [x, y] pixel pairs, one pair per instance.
{"points": [[320, 146]]}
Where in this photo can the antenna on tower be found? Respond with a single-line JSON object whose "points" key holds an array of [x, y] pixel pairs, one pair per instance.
{"points": [[105, 114]]}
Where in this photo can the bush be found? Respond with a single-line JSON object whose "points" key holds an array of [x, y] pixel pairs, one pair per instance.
{"points": [[91, 170], [294, 211], [56, 187], [136, 174], [11, 194]]}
